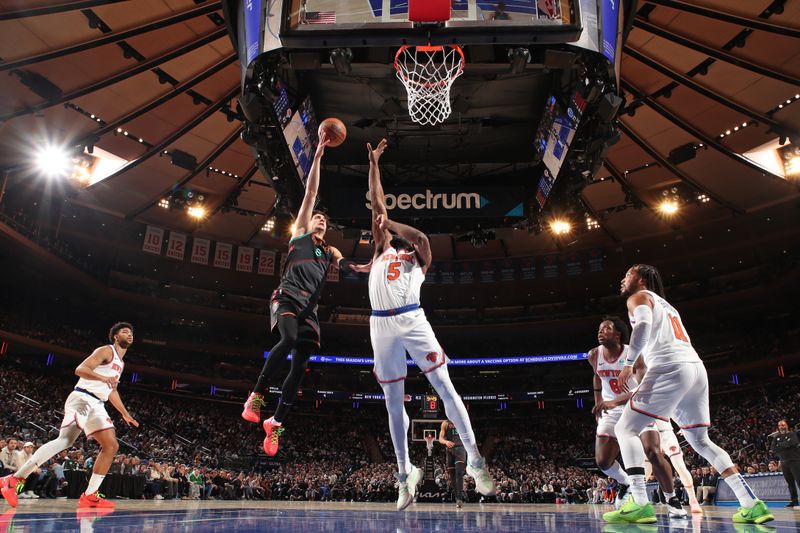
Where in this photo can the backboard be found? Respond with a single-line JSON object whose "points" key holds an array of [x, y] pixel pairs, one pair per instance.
{"points": [[319, 23]]}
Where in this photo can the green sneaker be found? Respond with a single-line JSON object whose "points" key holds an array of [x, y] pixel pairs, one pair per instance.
{"points": [[757, 514], [632, 513]]}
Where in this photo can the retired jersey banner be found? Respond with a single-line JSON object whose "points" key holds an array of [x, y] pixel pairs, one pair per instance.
{"points": [[413, 202], [201, 248], [550, 268], [266, 262], [222, 255], [596, 261], [153, 239], [244, 259], [573, 264], [176, 246]]}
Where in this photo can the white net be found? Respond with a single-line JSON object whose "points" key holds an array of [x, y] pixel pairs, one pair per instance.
{"points": [[428, 72]]}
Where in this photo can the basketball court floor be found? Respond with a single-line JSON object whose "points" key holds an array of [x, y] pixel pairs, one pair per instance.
{"points": [[297, 517]]}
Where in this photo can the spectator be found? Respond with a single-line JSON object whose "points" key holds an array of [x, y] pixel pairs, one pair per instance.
{"points": [[708, 485]]}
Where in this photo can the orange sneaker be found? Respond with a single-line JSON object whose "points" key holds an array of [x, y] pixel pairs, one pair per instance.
{"points": [[94, 500], [252, 407], [8, 488], [274, 432]]}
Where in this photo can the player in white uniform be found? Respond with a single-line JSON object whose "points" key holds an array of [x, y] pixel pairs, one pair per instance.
{"points": [[675, 386], [398, 324], [607, 361], [84, 411], [670, 447]]}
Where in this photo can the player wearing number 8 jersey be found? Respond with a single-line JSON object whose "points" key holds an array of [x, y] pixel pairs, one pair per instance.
{"points": [[397, 325], [607, 361], [674, 386]]}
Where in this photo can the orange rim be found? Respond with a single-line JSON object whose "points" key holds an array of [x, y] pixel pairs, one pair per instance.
{"points": [[430, 48]]}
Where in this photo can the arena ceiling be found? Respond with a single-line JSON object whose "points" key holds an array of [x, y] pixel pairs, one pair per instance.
{"points": [[144, 80]]}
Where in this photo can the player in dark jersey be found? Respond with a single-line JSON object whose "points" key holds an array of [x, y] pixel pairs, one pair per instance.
{"points": [[293, 306], [456, 459]]}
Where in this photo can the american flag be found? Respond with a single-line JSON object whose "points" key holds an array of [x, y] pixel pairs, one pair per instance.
{"points": [[320, 17]]}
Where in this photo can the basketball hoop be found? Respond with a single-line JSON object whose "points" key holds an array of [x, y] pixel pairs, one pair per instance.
{"points": [[428, 72], [429, 444]]}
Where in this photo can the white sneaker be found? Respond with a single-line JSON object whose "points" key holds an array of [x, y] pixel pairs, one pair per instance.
{"points": [[32, 495], [404, 497], [158, 497], [484, 483], [414, 477], [408, 489], [675, 508]]}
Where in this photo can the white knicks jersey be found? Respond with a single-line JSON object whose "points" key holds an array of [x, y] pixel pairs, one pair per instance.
{"points": [[99, 388], [395, 280], [608, 373], [668, 343]]}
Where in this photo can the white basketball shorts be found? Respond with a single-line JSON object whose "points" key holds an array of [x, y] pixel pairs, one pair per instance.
{"points": [[87, 412], [393, 336]]}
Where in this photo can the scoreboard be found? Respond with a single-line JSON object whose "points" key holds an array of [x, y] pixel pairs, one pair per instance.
{"points": [[430, 406]]}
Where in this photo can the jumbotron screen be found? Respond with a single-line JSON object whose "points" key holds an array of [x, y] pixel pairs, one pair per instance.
{"points": [[300, 133], [553, 139]]}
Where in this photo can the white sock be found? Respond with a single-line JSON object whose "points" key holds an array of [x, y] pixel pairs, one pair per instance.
{"points": [[456, 412], [669, 496], [742, 490], [638, 489], [394, 394], [94, 483], [615, 471], [274, 422]]}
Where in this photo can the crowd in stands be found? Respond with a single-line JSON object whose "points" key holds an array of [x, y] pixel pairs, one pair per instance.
{"points": [[193, 448]]}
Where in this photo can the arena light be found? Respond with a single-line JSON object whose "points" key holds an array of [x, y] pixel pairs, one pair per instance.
{"points": [[591, 223], [560, 226], [668, 207], [164, 203], [197, 212], [53, 161], [703, 199], [269, 225]]}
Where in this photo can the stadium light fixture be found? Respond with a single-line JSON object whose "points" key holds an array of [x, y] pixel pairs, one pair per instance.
{"points": [[560, 226], [53, 161], [668, 207], [197, 212]]}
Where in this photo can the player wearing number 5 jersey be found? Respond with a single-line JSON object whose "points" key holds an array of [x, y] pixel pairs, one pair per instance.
{"points": [[398, 325], [674, 386]]}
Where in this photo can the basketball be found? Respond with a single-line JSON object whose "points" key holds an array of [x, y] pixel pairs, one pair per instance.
{"points": [[335, 130]]}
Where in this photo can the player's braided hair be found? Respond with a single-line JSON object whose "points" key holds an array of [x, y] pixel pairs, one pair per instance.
{"points": [[620, 326], [116, 328], [651, 277]]}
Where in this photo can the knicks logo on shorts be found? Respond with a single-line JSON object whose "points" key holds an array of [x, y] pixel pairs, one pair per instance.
{"points": [[432, 357], [673, 449], [110, 421]]}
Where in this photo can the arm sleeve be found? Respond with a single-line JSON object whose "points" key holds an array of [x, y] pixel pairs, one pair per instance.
{"points": [[642, 326]]}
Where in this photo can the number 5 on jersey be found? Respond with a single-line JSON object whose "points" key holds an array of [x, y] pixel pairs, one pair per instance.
{"points": [[394, 271]]}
